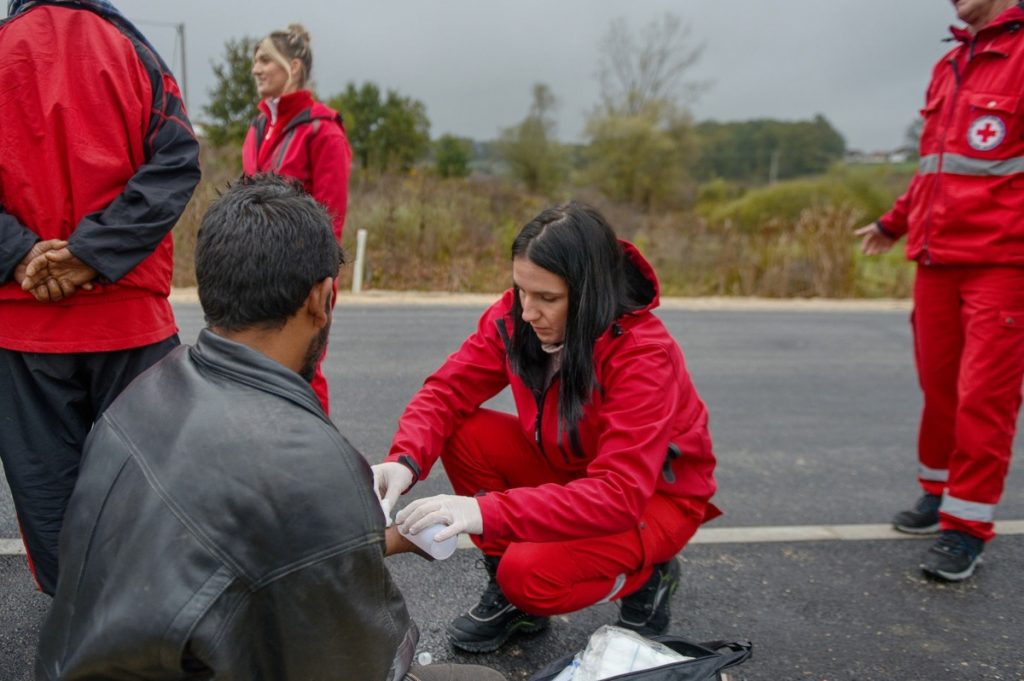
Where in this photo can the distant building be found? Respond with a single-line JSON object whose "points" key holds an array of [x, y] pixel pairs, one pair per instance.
{"points": [[900, 155]]}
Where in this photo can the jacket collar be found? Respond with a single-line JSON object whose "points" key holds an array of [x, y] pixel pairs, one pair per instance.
{"points": [[1012, 15], [288, 106], [242, 364]]}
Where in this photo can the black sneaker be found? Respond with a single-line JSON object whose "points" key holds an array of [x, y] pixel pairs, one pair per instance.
{"points": [[491, 622], [953, 557], [647, 610], [922, 519]]}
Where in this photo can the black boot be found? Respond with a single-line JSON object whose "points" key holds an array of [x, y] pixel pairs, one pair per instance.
{"points": [[923, 518], [491, 622], [953, 557], [647, 610]]}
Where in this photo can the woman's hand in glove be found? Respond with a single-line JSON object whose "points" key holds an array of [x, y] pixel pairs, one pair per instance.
{"points": [[390, 480], [460, 514]]}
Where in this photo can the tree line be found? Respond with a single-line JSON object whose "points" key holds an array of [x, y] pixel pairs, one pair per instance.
{"points": [[641, 145]]}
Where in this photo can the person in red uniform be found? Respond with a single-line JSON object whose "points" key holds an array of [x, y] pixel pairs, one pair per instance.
{"points": [[963, 216], [296, 136], [99, 161], [606, 471]]}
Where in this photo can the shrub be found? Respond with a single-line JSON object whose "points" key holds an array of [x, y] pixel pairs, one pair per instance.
{"points": [[426, 233], [783, 201]]}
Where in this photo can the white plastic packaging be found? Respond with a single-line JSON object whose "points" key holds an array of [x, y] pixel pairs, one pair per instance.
{"points": [[613, 650], [425, 540]]}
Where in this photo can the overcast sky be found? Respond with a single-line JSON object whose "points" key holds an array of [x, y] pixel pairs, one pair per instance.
{"points": [[864, 64]]}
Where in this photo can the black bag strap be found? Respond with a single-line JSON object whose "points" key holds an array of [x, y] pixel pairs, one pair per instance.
{"points": [[740, 651], [260, 124]]}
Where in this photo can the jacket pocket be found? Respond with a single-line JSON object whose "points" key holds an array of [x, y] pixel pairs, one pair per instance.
{"points": [[1012, 319], [988, 123]]}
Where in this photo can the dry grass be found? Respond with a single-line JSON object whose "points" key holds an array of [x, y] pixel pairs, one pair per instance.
{"points": [[425, 233]]}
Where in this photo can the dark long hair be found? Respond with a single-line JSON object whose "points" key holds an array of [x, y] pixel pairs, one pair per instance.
{"points": [[575, 242]]}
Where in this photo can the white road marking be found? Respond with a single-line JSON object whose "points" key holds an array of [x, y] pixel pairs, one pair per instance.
{"points": [[11, 547], [792, 533], [770, 534], [733, 535]]}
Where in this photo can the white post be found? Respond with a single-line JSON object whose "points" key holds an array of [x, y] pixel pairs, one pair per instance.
{"points": [[357, 269]]}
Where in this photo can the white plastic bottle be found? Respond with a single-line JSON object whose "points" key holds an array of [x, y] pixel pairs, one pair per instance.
{"points": [[425, 540]]}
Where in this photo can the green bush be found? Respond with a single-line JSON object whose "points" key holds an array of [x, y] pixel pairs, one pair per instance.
{"points": [[784, 201]]}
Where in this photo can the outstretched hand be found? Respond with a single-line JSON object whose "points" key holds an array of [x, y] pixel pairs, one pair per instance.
{"points": [[874, 241], [56, 273]]}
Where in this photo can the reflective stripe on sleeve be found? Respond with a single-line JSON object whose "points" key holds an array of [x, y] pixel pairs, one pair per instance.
{"points": [[968, 510], [932, 474], [957, 164]]}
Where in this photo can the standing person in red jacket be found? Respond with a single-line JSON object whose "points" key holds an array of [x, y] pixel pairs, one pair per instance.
{"points": [[98, 163], [590, 491], [963, 216], [296, 136]]}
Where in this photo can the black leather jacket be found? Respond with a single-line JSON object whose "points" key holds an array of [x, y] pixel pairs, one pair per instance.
{"points": [[223, 528]]}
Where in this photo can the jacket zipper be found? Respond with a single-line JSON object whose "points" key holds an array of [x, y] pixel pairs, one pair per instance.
{"points": [[538, 432], [538, 396]]}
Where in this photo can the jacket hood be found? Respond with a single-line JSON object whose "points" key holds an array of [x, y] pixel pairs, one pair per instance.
{"points": [[102, 7], [641, 278]]}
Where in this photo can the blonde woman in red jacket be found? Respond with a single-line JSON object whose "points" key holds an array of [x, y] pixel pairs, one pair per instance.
{"points": [[605, 472], [297, 136]]}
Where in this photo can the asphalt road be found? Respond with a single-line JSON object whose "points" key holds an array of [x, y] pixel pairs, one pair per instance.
{"points": [[814, 419]]}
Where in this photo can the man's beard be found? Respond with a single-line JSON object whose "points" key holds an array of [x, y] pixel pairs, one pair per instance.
{"points": [[314, 353]]}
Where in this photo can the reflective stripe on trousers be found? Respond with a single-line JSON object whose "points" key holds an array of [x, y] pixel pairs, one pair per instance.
{"points": [[932, 474], [968, 510]]}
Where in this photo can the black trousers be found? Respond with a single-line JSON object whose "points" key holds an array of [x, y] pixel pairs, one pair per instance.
{"points": [[48, 403]]}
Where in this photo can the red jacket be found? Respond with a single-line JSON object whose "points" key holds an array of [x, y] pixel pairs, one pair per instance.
{"points": [[965, 205], [307, 142], [97, 149], [646, 402]]}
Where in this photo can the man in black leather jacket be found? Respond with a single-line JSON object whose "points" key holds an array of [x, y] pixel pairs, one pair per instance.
{"points": [[221, 526]]}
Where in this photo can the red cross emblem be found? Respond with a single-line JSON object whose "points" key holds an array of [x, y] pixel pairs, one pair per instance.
{"points": [[986, 133]]}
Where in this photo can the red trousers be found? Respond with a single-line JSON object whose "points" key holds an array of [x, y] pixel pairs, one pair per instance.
{"points": [[490, 452], [319, 382], [319, 385], [969, 345]]}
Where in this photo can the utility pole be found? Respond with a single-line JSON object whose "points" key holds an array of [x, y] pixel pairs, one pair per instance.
{"points": [[179, 44], [184, 68], [773, 167]]}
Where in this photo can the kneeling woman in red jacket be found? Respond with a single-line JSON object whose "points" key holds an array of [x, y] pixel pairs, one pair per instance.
{"points": [[587, 494], [296, 136]]}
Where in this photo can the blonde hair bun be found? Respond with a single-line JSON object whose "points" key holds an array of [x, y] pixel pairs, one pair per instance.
{"points": [[300, 31]]}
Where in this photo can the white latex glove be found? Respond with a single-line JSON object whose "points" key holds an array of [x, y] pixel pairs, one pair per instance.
{"points": [[390, 480], [460, 514]]}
